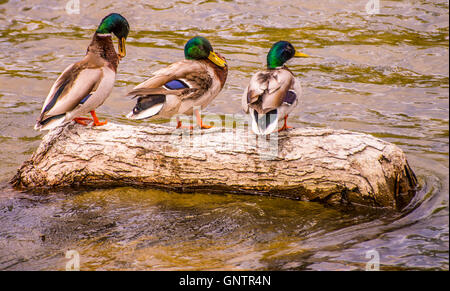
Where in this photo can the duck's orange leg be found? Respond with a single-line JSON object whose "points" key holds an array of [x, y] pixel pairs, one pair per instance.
{"points": [[96, 121], [285, 126], [80, 120], [200, 121], [179, 125]]}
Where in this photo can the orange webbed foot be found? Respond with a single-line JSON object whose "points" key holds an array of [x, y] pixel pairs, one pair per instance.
{"points": [[179, 125], [81, 120], [204, 126], [200, 121], [96, 121], [285, 126], [100, 123]]}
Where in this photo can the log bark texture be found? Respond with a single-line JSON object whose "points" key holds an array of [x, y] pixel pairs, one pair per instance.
{"points": [[332, 166]]}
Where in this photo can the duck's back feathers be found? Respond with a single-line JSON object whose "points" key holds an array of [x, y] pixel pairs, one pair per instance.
{"points": [[271, 95], [267, 89], [195, 71]]}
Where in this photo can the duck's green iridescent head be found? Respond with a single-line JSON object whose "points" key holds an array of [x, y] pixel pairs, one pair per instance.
{"points": [[199, 48], [117, 24], [280, 53]]}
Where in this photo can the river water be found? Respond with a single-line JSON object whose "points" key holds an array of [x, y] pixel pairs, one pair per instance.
{"points": [[383, 73]]}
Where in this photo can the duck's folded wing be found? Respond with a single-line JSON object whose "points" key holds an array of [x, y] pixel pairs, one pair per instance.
{"points": [[186, 79], [153, 91], [268, 89], [177, 70], [71, 88]]}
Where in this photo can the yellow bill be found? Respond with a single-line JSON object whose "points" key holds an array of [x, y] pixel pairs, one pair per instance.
{"points": [[213, 57], [122, 49], [301, 55]]}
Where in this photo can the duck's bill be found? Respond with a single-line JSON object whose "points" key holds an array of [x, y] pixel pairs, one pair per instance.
{"points": [[122, 49], [301, 55], [213, 57]]}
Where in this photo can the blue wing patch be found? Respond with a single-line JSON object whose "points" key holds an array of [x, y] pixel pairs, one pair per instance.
{"points": [[290, 97], [176, 84], [85, 99]]}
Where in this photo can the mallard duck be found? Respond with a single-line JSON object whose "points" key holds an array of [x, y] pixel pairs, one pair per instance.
{"points": [[273, 93], [184, 86], [85, 85]]}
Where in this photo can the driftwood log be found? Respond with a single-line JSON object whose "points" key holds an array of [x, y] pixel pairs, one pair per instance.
{"points": [[332, 166]]}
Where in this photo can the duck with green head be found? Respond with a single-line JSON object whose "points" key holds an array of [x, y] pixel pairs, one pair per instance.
{"points": [[273, 93], [85, 85], [184, 86]]}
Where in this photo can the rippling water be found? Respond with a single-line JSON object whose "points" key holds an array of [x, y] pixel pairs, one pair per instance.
{"points": [[384, 74]]}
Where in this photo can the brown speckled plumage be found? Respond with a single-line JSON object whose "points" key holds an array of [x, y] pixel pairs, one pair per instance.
{"points": [[103, 47]]}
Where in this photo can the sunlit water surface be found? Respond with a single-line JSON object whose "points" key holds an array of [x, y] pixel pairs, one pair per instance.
{"points": [[384, 74]]}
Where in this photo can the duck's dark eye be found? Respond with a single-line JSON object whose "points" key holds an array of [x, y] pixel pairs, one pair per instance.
{"points": [[289, 52], [286, 54], [204, 49]]}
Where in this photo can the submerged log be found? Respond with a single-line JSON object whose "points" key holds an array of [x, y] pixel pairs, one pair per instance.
{"points": [[332, 166]]}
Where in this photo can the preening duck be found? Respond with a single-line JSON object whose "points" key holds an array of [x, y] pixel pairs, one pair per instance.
{"points": [[85, 85], [273, 93], [183, 87]]}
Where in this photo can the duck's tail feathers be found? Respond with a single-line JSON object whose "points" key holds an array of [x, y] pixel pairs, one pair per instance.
{"points": [[264, 124], [51, 122], [147, 106]]}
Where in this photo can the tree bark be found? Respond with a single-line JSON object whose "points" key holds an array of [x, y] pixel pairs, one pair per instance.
{"points": [[332, 166]]}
